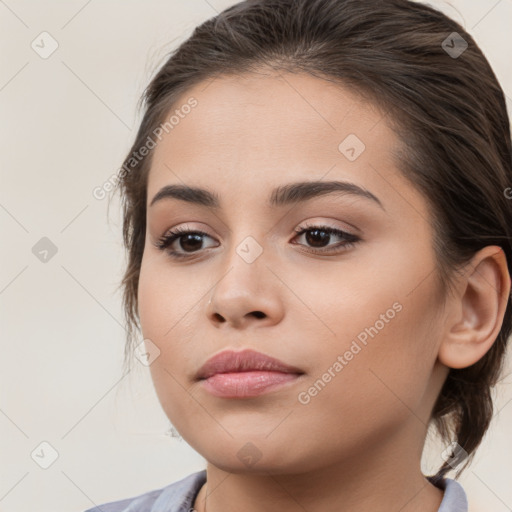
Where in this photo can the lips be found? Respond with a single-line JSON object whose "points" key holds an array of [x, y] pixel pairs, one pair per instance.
{"points": [[246, 360]]}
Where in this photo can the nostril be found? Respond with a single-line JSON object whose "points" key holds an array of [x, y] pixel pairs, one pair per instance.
{"points": [[220, 318], [258, 314]]}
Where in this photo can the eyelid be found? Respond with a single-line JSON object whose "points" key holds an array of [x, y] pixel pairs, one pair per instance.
{"points": [[186, 226], [307, 224]]}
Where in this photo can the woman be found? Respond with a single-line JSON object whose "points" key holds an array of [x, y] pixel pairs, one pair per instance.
{"points": [[319, 238]]}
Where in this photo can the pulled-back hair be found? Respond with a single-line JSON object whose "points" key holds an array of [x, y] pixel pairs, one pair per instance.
{"points": [[442, 99]]}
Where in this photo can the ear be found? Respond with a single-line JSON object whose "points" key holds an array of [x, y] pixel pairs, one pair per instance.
{"points": [[477, 309]]}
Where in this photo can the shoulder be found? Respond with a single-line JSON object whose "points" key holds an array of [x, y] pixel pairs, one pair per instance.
{"points": [[179, 495], [454, 499]]}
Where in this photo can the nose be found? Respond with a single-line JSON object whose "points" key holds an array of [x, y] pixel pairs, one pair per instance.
{"points": [[247, 294]]}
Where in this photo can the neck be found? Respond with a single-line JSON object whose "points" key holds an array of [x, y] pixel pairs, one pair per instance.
{"points": [[385, 477]]}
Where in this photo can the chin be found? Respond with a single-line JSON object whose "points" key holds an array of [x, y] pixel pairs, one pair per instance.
{"points": [[241, 457]]}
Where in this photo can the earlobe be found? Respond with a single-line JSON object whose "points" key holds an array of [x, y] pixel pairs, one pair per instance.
{"points": [[479, 309]]}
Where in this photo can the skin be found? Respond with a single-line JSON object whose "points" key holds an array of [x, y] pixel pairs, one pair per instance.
{"points": [[357, 444]]}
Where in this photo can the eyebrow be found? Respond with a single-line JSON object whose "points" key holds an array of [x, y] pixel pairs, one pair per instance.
{"points": [[290, 193]]}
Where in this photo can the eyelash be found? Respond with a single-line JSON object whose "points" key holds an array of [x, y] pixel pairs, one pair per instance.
{"points": [[165, 241]]}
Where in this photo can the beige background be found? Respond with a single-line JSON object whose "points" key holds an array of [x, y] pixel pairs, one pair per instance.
{"points": [[67, 122]]}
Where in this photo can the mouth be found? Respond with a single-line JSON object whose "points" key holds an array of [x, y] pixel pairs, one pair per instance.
{"points": [[245, 374]]}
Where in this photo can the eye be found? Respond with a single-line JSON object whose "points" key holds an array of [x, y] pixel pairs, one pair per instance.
{"points": [[189, 241], [319, 236]]}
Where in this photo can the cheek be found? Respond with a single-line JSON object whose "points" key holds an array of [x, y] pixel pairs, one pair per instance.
{"points": [[381, 343], [166, 305], [149, 297], [166, 298], [377, 388]]}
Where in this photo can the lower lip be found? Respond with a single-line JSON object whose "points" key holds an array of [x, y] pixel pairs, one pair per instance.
{"points": [[246, 384]]}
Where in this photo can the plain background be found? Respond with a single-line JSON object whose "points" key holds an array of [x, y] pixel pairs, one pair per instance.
{"points": [[67, 123]]}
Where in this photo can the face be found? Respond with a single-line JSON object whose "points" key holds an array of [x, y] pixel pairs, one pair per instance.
{"points": [[335, 280]]}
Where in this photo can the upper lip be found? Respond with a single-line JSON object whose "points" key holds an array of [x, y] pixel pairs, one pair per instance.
{"points": [[243, 361]]}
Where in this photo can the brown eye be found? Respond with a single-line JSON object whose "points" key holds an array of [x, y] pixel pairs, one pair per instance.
{"points": [[188, 242], [320, 236]]}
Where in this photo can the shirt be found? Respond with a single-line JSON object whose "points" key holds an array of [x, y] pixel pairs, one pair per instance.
{"points": [[180, 496]]}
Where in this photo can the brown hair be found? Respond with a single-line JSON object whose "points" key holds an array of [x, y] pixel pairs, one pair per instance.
{"points": [[447, 108]]}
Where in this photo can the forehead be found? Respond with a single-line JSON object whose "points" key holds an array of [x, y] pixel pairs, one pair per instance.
{"points": [[249, 133]]}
